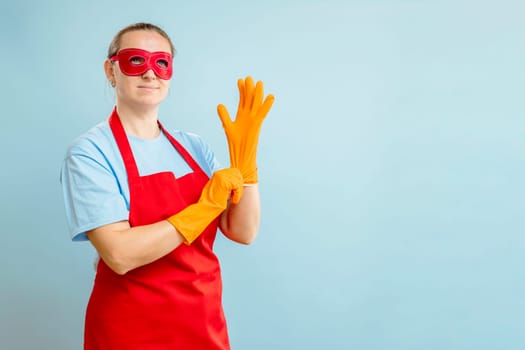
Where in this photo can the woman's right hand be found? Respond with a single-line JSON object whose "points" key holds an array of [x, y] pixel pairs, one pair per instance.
{"points": [[193, 220], [221, 185]]}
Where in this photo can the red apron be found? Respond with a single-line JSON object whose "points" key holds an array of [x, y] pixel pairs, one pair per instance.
{"points": [[173, 302]]}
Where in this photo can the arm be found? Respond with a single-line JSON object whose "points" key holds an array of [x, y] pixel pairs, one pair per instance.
{"points": [[124, 248], [240, 222]]}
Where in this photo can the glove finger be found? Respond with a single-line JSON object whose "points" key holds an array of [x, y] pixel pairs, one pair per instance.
{"points": [[267, 104], [242, 94], [236, 195], [230, 177], [236, 184], [258, 96], [249, 89], [234, 176], [224, 116]]}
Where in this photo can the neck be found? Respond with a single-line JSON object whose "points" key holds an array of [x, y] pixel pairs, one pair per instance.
{"points": [[141, 123]]}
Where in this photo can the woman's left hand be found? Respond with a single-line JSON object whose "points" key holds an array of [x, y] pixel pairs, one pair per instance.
{"points": [[243, 133]]}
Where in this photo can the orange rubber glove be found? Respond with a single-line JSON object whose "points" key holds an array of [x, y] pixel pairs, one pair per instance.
{"points": [[243, 133], [193, 220]]}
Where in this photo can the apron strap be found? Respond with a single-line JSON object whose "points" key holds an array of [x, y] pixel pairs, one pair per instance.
{"points": [[123, 145], [183, 152]]}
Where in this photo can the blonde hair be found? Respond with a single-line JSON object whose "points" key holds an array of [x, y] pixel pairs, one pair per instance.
{"points": [[114, 46]]}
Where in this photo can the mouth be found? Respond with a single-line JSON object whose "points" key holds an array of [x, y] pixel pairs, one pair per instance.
{"points": [[148, 87]]}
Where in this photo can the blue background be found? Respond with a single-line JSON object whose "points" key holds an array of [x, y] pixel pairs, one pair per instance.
{"points": [[391, 165]]}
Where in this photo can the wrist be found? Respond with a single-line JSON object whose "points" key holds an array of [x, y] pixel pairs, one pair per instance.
{"points": [[250, 175]]}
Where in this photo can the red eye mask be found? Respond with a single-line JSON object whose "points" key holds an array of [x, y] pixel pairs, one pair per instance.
{"points": [[138, 61]]}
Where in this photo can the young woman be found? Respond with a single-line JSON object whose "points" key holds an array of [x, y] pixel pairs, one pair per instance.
{"points": [[150, 202]]}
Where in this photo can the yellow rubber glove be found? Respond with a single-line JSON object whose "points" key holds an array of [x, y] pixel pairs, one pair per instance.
{"points": [[243, 133], [191, 221]]}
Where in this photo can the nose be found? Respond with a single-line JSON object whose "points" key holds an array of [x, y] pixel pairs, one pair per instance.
{"points": [[149, 74]]}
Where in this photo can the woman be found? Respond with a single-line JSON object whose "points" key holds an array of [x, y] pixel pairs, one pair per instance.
{"points": [[150, 202]]}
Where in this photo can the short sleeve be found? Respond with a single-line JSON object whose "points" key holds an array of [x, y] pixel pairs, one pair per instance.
{"points": [[92, 194], [209, 158]]}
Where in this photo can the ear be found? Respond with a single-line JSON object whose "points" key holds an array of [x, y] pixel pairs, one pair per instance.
{"points": [[109, 70]]}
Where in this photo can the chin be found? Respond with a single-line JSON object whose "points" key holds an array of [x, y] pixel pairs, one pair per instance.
{"points": [[150, 100]]}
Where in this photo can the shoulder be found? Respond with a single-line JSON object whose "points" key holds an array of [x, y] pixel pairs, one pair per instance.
{"points": [[94, 139], [97, 143]]}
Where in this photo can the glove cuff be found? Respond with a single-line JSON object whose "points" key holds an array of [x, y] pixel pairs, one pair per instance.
{"points": [[193, 220]]}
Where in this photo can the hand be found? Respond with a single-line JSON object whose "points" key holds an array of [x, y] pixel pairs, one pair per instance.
{"points": [[220, 186], [193, 220], [243, 133]]}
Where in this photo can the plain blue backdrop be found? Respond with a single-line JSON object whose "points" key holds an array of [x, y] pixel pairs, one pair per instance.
{"points": [[391, 165]]}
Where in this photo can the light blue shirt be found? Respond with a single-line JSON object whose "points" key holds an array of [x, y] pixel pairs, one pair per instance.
{"points": [[94, 179]]}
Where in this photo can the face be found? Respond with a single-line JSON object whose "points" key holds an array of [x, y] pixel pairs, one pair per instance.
{"points": [[141, 76]]}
